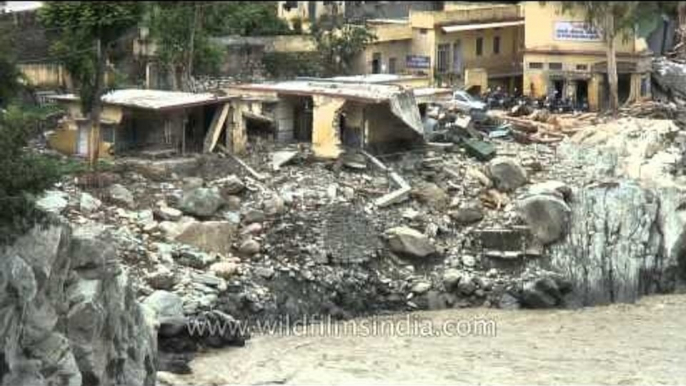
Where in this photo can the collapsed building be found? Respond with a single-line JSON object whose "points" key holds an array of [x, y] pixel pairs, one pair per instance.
{"points": [[329, 115]]}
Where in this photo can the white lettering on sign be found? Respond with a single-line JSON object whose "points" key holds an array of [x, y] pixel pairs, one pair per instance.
{"points": [[576, 30]]}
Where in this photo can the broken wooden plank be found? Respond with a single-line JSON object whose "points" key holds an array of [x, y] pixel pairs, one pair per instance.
{"points": [[245, 166], [215, 128]]}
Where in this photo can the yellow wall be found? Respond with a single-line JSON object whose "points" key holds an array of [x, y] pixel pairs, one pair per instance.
{"points": [[325, 139], [390, 31], [539, 30], [45, 75], [63, 140], [390, 49], [428, 19]]}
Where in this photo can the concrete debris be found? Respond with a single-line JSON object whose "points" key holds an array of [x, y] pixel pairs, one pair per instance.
{"points": [[53, 202], [507, 174], [281, 158], [201, 202], [407, 241], [119, 195]]}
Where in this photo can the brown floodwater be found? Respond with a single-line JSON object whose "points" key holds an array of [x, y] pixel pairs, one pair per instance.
{"points": [[643, 343]]}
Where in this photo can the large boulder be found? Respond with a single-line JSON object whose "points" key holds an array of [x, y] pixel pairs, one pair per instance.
{"points": [[53, 201], [230, 185], [507, 174], [546, 215], [202, 202], [77, 323], [431, 194], [121, 196], [407, 241], [545, 292], [468, 213], [165, 304], [209, 236], [88, 203]]}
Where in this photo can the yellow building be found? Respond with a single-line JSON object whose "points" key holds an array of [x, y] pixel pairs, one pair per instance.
{"points": [[446, 45], [564, 56], [308, 12]]}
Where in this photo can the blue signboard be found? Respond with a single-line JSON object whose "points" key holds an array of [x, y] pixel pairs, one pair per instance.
{"points": [[418, 61]]}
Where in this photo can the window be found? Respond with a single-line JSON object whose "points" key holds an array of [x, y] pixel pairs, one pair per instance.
{"points": [[376, 63], [555, 66], [479, 46], [645, 86], [443, 57], [535, 65], [423, 31], [391, 65], [582, 67], [496, 45]]}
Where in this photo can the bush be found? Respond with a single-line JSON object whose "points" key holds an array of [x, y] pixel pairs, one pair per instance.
{"points": [[23, 174], [283, 65]]}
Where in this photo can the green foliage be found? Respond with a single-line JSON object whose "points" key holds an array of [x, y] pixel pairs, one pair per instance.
{"points": [[22, 172], [284, 65], [9, 74], [79, 25], [339, 44], [245, 18]]}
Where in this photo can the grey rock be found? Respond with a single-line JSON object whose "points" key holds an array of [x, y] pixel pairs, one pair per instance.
{"points": [[264, 272], [273, 206], [232, 185], [168, 214], [554, 188], [191, 183], [466, 285], [421, 287], [508, 302], [507, 174], [541, 293], [202, 202], [547, 216], [165, 304], [233, 203], [253, 215], [162, 278], [88, 203], [468, 261], [407, 241], [431, 194], [209, 236], [74, 329], [450, 278], [232, 217], [208, 280], [469, 213], [121, 196], [53, 201], [196, 259], [249, 247]]}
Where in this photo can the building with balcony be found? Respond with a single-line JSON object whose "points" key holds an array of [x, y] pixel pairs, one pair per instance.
{"points": [[478, 39]]}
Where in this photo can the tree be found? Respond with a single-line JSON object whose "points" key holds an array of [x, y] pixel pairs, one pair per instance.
{"points": [[9, 74], [339, 44], [246, 18], [87, 33], [612, 19]]}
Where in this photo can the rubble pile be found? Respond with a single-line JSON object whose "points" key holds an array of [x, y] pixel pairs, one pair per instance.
{"points": [[207, 238]]}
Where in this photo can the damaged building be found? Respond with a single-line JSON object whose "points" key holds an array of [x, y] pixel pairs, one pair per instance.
{"points": [[332, 115], [149, 121]]}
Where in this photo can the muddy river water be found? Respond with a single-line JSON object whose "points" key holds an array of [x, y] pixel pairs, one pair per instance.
{"points": [[643, 343]]}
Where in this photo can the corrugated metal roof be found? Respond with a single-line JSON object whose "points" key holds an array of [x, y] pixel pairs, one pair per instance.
{"points": [[152, 99]]}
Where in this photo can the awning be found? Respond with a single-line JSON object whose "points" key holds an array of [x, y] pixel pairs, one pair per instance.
{"points": [[470, 27]]}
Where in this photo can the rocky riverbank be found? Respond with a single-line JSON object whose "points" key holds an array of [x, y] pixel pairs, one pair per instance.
{"points": [[594, 220]]}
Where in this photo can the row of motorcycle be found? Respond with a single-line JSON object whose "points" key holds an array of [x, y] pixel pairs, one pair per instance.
{"points": [[501, 100]]}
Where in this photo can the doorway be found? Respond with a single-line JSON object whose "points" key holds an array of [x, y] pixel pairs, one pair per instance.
{"points": [[558, 87], [376, 63], [457, 58], [581, 92]]}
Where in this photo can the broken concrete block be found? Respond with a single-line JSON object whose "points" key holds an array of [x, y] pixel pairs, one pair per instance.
{"points": [[407, 241], [281, 158], [483, 151]]}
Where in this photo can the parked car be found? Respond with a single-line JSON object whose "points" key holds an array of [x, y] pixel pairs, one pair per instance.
{"points": [[467, 103]]}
